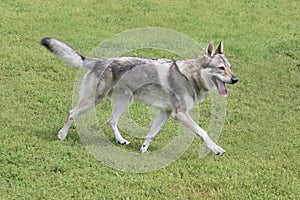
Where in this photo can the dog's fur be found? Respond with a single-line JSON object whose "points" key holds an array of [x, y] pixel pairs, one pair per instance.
{"points": [[171, 86]]}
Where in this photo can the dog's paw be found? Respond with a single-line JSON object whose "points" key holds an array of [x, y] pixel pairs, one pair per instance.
{"points": [[61, 135], [218, 150], [123, 142], [144, 148]]}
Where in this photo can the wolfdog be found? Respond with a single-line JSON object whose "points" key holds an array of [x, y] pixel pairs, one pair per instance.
{"points": [[172, 86]]}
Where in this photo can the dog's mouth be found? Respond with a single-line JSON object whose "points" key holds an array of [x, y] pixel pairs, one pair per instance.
{"points": [[222, 90]]}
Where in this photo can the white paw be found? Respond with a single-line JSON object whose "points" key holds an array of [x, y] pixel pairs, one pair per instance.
{"points": [[61, 135], [144, 149], [217, 150], [123, 142]]}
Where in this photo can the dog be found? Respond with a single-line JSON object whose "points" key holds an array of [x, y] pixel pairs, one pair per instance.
{"points": [[172, 86]]}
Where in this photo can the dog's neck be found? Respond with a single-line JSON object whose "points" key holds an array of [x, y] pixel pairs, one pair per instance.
{"points": [[192, 70]]}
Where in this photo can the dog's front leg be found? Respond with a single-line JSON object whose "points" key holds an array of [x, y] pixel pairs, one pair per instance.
{"points": [[188, 122]]}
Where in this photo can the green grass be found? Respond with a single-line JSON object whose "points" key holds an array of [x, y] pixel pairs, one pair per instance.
{"points": [[261, 132]]}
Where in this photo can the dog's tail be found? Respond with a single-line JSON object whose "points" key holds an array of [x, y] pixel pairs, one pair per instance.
{"points": [[67, 53]]}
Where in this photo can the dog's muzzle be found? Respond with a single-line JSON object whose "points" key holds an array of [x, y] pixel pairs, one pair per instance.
{"points": [[234, 79]]}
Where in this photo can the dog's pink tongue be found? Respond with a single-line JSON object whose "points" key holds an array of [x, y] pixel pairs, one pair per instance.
{"points": [[222, 90]]}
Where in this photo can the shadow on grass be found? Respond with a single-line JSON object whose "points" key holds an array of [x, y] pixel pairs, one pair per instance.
{"points": [[51, 135]]}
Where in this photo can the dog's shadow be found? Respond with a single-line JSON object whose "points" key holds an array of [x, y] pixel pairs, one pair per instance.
{"points": [[51, 135]]}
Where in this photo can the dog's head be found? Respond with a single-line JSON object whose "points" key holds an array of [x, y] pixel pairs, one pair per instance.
{"points": [[216, 69]]}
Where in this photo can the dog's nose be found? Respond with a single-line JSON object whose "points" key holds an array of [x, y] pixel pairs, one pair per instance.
{"points": [[234, 79]]}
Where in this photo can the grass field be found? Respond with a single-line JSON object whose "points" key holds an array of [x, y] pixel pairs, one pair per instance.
{"points": [[262, 127]]}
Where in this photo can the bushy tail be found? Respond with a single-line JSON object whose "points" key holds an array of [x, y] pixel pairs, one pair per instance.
{"points": [[67, 53]]}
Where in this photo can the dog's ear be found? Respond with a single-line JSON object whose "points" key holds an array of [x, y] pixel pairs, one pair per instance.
{"points": [[220, 48], [210, 50]]}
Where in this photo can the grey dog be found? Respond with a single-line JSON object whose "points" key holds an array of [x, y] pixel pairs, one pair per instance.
{"points": [[172, 86]]}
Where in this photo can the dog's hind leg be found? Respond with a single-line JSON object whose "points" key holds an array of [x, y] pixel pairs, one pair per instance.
{"points": [[159, 121], [189, 123], [121, 100], [88, 99], [83, 106]]}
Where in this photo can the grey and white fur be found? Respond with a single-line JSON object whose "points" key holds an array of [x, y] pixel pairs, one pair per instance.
{"points": [[172, 86]]}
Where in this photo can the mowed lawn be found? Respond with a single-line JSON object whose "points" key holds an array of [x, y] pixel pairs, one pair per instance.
{"points": [[261, 130]]}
